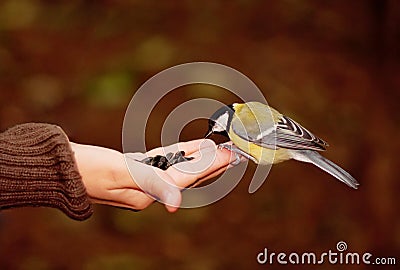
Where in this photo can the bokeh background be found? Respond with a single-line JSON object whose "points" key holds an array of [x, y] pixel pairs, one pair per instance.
{"points": [[331, 65]]}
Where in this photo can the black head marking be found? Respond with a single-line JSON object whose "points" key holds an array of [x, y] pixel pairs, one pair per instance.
{"points": [[220, 121]]}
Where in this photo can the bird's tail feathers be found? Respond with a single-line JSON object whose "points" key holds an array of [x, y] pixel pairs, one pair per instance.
{"points": [[326, 165]]}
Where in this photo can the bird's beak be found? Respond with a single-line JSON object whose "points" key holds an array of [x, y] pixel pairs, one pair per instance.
{"points": [[208, 134]]}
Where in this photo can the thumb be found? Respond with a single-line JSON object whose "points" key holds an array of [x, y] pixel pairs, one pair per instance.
{"points": [[162, 188], [155, 183]]}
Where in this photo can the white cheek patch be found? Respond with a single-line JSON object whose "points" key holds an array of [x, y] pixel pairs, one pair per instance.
{"points": [[218, 128], [221, 122]]}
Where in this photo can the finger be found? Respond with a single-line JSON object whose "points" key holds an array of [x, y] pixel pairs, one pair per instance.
{"points": [[214, 174], [206, 163], [210, 176], [189, 147], [135, 156]]}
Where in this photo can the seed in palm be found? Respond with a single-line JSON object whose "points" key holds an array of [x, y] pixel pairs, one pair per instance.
{"points": [[164, 162]]}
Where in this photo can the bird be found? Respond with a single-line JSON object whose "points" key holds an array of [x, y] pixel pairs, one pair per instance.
{"points": [[262, 134]]}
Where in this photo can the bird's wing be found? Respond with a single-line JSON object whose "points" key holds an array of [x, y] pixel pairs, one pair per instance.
{"points": [[290, 134], [285, 133]]}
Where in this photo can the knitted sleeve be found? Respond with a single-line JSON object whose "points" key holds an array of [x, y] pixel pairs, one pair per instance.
{"points": [[37, 168]]}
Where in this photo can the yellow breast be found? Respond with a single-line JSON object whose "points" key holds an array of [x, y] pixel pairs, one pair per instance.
{"points": [[263, 155]]}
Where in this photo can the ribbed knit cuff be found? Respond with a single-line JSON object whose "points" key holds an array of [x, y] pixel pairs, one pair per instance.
{"points": [[37, 168]]}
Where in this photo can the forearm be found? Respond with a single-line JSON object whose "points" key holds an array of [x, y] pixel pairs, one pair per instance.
{"points": [[38, 169]]}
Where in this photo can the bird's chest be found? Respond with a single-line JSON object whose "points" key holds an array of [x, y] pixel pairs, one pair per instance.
{"points": [[263, 155]]}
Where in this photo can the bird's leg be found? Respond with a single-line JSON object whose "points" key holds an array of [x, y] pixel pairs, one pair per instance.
{"points": [[237, 151]]}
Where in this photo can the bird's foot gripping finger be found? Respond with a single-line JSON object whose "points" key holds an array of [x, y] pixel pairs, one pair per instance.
{"points": [[164, 162], [231, 147], [238, 152]]}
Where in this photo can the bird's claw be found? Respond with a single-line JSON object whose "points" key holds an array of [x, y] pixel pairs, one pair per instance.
{"points": [[238, 153]]}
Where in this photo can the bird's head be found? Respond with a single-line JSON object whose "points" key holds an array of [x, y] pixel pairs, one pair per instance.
{"points": [[220, 121]]}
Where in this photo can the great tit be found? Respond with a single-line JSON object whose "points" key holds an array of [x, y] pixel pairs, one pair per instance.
{"points": [[265, 136]]}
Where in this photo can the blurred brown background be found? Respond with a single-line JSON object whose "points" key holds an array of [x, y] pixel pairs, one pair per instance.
{"points": [[331, 65]]}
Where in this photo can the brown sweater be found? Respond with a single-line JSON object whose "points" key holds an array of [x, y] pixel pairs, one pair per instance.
{"points": [[37, 168]]}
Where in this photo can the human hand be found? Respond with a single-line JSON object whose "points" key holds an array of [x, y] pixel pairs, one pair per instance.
{"points": [[106, 176]]}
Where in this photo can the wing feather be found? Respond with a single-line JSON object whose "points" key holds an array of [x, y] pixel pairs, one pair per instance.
{"points": [[286, 133], [290, 134]]}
